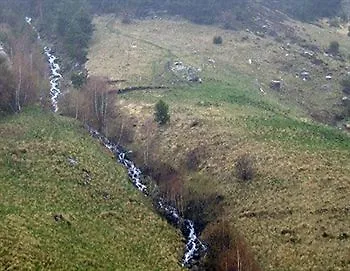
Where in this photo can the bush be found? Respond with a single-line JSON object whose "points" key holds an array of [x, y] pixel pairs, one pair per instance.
{"points": [[203, 207], [126, 19], [217, 40], [333, 48], [78, 79], [194, 158], [346, 84], [334, 22], [161, 112], [245, 167], [228, 249]]}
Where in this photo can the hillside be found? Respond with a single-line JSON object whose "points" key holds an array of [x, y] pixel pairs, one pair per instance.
{"points": [[295, 213], [66, 205], [147, 50]]}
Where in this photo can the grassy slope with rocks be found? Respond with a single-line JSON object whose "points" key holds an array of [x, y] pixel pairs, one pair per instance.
{"points": [[60, 216], [295, 213], [144, 48]]}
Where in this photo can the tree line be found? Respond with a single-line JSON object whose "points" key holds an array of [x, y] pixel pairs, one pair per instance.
{"points": [[209, 11]]}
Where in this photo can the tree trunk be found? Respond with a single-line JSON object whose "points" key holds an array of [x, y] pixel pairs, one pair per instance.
{"points": [[19, 85]]}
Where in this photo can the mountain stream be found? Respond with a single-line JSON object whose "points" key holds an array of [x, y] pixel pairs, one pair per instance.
{"points": [[194, 248]]}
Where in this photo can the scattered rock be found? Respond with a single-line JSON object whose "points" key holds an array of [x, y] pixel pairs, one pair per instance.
{"points": [[72, 161], [304, 75], [309, 54], [260, 34], [343, 236], [325, 235], [106, 195], [294, 240], [276, 84], [62, 218], [194, 123], [245, 38], [86, 177], [329, 76], [346, 101], [287, 232], [191, 74], [211, 61]]}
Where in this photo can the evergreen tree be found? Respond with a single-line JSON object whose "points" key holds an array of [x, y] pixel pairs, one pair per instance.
{"points": [[161, 112]]}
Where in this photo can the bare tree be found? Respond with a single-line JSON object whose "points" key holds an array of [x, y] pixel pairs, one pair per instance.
{"points": [[149, 133], [96, 101]]}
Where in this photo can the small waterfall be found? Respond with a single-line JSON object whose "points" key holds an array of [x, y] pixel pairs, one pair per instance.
{"points": [[55, 76], [194, 247]]}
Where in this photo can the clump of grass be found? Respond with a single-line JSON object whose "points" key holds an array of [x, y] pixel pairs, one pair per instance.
{"points": [[245, 169]]}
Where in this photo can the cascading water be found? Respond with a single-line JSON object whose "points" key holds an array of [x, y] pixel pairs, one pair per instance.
{"points": [[55, 76], [194, 247]]}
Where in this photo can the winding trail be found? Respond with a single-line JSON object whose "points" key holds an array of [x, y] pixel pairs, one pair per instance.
{"points": [[194, 248]]}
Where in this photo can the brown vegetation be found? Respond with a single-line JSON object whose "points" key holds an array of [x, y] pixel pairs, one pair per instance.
{"points": [[91, 104], [194, 158], [227, 249], [245, 169], [22, 73]]}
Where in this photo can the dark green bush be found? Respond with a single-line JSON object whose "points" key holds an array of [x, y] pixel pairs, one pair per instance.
{"points": [[162, 112], [333, 48], [217, 40], [78, 79]]}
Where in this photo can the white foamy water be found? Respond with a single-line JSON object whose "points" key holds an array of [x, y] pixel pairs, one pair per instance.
{"points": [[55, 75]]}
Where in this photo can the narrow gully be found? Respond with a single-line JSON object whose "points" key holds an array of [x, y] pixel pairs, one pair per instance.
{"points": [[194, 248]]}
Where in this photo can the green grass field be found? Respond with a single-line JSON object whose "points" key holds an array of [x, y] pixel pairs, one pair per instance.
{"points": [[58, 216]]}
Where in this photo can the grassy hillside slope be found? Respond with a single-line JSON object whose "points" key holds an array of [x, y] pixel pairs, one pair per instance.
{"points": [[295, 213], [60, 215], [141, 52]]}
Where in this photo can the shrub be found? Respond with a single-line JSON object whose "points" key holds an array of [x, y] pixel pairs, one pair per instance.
{"points": [[228, 249], [334, 22], [203, 207], [245, 167], [333, 48], [217, 40], [126, 19], [161, 112], [194, 157], [346, 84], [78, 79]]}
